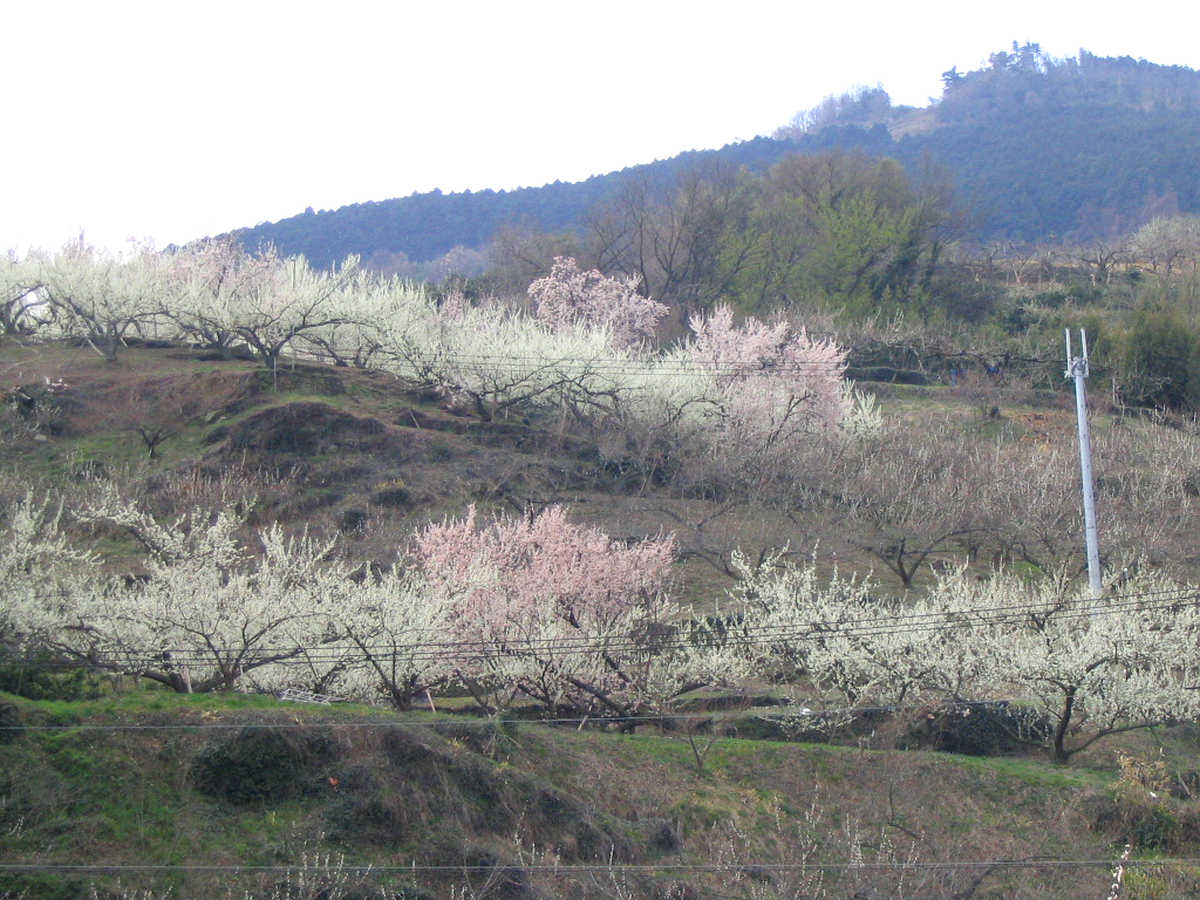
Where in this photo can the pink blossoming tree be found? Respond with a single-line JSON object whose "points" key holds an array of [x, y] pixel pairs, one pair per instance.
{"points": [[554, 611], [516, 570], [569, 296], [770, 376]]}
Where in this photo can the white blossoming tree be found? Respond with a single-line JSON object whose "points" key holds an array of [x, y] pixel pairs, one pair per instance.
{"points": [[373, 311], [214, 280], [101, 299], [19, 299], [499, 360], [294, 299], [44, 570], [203, 613], [398, 630], [1087, 670]]}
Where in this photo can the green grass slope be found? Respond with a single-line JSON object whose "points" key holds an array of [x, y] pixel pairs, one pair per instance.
{"points": [[224, 796]]}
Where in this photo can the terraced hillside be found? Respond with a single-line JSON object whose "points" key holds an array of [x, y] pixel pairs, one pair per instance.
{"points": [[240, 795]]}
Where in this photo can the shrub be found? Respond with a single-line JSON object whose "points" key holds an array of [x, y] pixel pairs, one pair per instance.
{"points": [[1160, 365], [979, 729], [261, 764], [38, 678]]}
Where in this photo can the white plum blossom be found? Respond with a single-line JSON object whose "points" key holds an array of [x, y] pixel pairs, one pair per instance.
{"points": [[1086, 669]]}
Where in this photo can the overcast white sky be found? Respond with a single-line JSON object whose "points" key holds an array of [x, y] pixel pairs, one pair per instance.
{"points": [[168, 121]]}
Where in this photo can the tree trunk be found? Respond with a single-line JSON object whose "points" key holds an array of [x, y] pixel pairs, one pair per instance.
{"points": [[1061, 754]]}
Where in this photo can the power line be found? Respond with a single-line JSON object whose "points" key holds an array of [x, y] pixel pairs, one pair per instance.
{"points": [[569, 868], [1083, 614], [601, 366], [750, 634], [788, 711], [731, 632], [763, 364], [547, 652]]}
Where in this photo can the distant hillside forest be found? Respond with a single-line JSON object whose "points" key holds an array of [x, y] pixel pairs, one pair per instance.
{"points": [[1035, 149]]}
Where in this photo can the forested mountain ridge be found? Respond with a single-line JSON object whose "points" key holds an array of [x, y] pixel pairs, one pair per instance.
{"points": [[1037, 148], [425, 226]]}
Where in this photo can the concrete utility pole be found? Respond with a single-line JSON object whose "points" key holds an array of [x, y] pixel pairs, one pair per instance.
{"points": [[1077, 368]]}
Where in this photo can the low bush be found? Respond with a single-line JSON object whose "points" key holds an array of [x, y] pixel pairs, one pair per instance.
{"points": [[261, 764]]}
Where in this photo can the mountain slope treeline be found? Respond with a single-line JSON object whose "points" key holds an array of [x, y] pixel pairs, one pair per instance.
{"points": [[1038, 149], [425, 226]]}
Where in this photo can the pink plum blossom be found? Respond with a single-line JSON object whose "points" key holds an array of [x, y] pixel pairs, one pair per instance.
{"points": [[770, 373], [508, 575], [569, 296]]}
